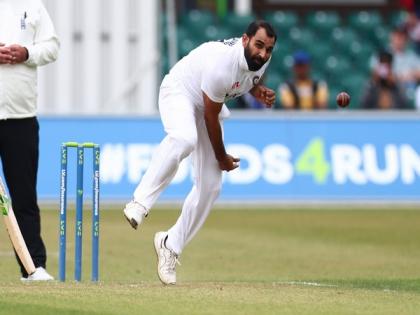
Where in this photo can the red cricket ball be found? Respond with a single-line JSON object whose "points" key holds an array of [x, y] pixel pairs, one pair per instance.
{"points": [[343, 99]]}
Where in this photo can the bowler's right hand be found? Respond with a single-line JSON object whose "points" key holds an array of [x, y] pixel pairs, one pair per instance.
{"points": [[228, 163]]}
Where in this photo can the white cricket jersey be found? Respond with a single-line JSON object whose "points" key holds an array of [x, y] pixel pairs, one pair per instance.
{"points": [[218, 69], [27, 23]]}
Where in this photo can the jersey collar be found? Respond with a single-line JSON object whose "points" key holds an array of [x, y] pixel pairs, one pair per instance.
{"points": [[243, 65]]}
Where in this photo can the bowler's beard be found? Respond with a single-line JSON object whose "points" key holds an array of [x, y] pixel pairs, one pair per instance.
{"points": [[254, 63]]}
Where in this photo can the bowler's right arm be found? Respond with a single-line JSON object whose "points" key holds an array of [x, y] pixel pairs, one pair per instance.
{"points": [[211, 117]]}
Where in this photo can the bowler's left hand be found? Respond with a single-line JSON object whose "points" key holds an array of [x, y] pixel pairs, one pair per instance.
{"points": [[264, 95]]}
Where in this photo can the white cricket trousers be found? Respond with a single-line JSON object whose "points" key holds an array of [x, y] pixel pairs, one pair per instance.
{"points": [[186, 134]]}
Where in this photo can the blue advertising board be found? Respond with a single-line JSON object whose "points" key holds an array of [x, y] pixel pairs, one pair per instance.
{"points": [[293, 157]]}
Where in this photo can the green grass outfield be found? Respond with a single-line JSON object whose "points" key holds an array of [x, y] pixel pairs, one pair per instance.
{"points": [[241, 262]]}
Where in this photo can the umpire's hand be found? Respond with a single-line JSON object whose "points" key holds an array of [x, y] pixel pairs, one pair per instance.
{"points": [[5, 54], [19, 54]]}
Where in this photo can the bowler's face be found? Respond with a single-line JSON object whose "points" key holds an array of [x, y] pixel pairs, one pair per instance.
{"points": [[258, 49]]}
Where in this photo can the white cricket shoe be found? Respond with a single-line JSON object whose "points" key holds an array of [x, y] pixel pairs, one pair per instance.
{"points": [[167, 259], [40, 274], [134, 213]]}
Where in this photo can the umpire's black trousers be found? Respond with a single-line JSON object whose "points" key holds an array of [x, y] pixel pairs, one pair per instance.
{"points": [[19, 141]]}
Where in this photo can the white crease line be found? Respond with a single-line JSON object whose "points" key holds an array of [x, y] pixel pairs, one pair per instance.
{"points": [[312, 284]]}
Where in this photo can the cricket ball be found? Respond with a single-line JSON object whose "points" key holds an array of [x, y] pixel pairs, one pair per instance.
{"points": [[343, 99]]}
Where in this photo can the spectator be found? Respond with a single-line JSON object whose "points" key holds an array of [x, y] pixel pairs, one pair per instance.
{"points": [[303, 92], [412, 24], [383, 91], [406, 64]]}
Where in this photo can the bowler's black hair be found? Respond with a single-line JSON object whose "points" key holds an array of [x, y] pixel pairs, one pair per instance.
{"points": [[256, 25]]}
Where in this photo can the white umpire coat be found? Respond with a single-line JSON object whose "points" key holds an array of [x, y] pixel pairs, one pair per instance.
{"points": [[26, 23]]}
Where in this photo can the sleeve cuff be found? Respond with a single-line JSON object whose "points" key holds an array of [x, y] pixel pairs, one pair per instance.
{"points": [[214, 98], [30, 61]]}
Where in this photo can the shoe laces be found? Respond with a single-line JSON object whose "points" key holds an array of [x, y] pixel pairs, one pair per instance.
{"points": [[172, 261]]}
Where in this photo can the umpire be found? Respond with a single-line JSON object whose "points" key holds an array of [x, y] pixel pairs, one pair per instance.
{"points": [[27, 40]]}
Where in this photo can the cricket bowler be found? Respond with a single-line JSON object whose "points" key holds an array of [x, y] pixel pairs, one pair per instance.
{"points": [[191, 105]]}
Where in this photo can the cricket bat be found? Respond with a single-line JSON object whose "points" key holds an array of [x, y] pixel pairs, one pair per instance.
{"points": [[14, 231]]}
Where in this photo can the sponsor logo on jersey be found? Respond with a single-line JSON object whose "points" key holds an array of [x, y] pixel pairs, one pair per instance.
{"points": [[232, 96], [229, 42]]}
